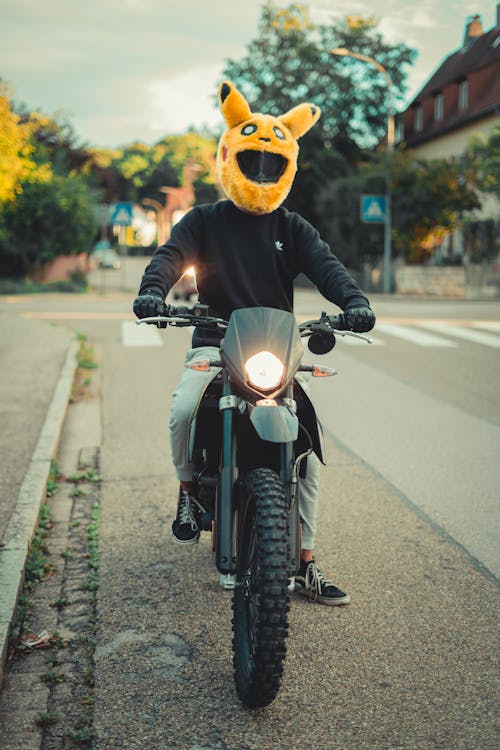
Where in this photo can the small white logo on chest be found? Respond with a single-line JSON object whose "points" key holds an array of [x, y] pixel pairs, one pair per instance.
{"points": [[279, 246]]}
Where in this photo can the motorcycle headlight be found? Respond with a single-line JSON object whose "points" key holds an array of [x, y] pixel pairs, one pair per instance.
{"points": [[264, 371]]}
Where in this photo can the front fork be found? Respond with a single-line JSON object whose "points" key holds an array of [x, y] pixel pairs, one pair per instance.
{"points": [[289, 478], [226, 506]]}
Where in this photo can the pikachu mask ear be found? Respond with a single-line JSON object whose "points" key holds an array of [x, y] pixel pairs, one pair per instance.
{"points": [[233, 104], [300, 119]]}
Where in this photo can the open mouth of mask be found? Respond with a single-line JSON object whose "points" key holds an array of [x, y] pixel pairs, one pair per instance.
{"points": [[261, 166]]}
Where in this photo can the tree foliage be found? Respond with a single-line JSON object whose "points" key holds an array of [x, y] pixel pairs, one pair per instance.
{"points": [[289, 62], [50, 184], [483, 157], [47, 219], [18, 163], [429, 198], [46, 208]]}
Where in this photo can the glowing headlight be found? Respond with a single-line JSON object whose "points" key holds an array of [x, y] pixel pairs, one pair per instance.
{"points": [[264, 370]]}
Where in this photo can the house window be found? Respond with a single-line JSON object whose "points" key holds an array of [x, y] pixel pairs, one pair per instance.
{"points": [[438, 107], [400, 130], [463, 94], [418, 120]]}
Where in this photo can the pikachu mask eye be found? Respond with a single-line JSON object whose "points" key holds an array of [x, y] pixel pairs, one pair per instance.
{"points": [[257, 154], [248, 129]]}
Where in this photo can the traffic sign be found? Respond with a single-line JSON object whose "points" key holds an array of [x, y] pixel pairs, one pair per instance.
{"points": [[121, 214], [373, 209]]}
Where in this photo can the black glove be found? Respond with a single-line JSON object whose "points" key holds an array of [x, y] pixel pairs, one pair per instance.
{"points": [[149, 305], [359, 319]]}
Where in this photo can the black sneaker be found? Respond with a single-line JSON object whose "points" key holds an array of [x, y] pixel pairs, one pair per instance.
{"points": [[185, 528], [311, 582]]}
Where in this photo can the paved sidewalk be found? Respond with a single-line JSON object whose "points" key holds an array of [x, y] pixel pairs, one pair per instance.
{"points": [[38, 362]]}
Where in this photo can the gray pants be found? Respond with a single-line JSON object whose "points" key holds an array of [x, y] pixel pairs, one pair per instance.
{"points": [[185, 400]]}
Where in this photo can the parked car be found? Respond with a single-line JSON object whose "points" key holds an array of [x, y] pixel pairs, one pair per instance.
{"points": [[104, 256]]}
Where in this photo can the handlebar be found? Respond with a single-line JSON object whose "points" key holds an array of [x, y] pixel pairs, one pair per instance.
{"points": [[198, 315]]}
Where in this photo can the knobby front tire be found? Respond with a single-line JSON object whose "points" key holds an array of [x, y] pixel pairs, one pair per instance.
{"points": [[261, 599]]}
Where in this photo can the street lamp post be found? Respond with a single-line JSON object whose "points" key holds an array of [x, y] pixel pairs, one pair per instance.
{"points": [[341, 51]]}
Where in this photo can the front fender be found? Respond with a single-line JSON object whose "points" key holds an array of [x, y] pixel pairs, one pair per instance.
{"points": [[276, 424]]}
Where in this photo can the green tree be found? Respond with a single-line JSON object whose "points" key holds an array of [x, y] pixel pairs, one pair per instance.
{"points": [[429, 198], [18, 162], [171, 158], [483, 157], [47, 219], [288, 63]]}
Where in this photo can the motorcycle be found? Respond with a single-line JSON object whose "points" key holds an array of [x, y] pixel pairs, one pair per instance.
{"points": [[252, 433]]}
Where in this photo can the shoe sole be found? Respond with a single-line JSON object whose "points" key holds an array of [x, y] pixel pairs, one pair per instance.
{"points": [[325, 600], [185, 542]]}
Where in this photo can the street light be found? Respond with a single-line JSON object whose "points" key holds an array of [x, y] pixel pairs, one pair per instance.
{"points": [[342, 52]]}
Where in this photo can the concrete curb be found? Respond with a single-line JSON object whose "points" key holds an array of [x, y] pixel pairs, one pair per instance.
{"points": [[22, 524]]}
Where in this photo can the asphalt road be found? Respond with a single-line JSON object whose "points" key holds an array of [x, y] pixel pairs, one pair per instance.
{"points": [[408, 525]]}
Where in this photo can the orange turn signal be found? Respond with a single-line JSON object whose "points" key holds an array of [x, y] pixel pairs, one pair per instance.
{"points": [[320, 371], [202, 365]]}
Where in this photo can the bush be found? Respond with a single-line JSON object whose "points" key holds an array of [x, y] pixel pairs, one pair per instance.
{"points": [[47, 219]]}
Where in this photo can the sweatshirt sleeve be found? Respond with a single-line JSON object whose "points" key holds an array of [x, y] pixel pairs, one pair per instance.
{"points": [[324, 269], [172, 259]]}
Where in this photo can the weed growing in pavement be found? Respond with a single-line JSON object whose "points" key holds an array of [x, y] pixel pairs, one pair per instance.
{"points": [[36, 568], [54, 478], [37, 562], [85, 474], [93, 551], [83, 736], [85, 357], [52, 678], [46, 718], [60, 603]]}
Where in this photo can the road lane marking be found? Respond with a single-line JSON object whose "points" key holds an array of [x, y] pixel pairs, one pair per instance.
{"points": [[67, 315], [468, 334], [488, 325], [414, 336], [134, 335]]}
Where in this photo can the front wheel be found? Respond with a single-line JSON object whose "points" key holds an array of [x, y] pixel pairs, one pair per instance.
{"points": [[261, 600]]}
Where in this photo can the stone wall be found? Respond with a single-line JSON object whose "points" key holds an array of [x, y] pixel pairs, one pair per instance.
{"points": [[455, 282]]}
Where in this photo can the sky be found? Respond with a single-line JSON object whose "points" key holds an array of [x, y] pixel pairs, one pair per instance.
{"points": [[136, 70]]}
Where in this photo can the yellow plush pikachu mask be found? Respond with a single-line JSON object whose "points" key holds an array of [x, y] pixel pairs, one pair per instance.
{"points": [[257, 154]]}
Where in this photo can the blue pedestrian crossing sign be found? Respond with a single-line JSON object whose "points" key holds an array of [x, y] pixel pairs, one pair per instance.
{"points": [[121, 214], [373, 209]]}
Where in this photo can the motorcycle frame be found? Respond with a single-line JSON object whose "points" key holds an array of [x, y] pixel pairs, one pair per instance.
{"points": [[228, 498]]}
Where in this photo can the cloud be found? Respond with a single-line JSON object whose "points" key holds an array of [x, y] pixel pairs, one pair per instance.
{"points": [[187, 99], [135, 69]]}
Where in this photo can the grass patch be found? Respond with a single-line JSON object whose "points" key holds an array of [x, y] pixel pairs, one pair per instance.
{"points": [[93, 550], [85, 356], [53, 480], [46, 718], [82, 737], [51, 678], [37, 563], [76, 284], [86, 361]]}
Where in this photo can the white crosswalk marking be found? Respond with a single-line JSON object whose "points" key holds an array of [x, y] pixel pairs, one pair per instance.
{"points": [[469, 334], [140, 335], [414, 336], [488, 325]]}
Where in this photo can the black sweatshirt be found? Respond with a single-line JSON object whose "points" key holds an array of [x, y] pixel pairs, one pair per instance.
{"points": [[247, 260]]}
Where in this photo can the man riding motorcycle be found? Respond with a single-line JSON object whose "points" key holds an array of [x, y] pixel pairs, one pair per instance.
{"points": [[247, 251]]}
